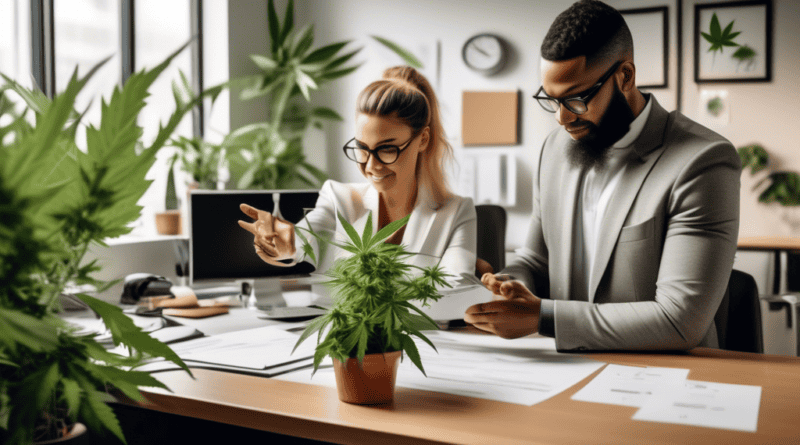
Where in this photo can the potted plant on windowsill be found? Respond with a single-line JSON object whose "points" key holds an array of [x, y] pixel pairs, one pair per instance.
{"points": [[373, 318], [55, 201]]}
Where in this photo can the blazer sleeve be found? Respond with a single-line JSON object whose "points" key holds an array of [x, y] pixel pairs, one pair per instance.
{"points": [[322, 220], [696, 261], [530, 265]]}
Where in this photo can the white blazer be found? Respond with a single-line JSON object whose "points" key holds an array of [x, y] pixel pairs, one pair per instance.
{"points": [[445, 235]]}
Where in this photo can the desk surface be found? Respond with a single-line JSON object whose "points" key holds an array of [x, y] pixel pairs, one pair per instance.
{"points": [[769, 243], [417, 416]]}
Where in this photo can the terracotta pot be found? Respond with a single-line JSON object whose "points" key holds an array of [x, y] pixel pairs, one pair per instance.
{"points": [[169, 222], [76, 435], [370, 382]]}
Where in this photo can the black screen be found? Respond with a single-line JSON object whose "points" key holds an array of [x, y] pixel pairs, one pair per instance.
{"points": [[222, 250]]}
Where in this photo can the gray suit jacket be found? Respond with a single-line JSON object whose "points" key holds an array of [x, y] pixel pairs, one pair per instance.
{"points": [[665, 248]]}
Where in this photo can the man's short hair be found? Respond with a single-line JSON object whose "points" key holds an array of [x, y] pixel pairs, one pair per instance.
{"points": [[588, 28]]}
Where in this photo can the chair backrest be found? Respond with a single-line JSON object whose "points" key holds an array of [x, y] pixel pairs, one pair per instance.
{"points": [[492, 235], [738, 318]]}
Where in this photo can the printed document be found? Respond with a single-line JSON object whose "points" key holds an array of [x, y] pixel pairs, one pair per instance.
{"points": [[715, 405], [629, 385]]}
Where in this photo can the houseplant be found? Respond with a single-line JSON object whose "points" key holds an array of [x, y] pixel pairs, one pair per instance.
{"points": [[196, 157], [269, 155], [373, 318], [777, 186], [55, 201]]}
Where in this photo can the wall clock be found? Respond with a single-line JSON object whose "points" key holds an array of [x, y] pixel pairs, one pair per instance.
{"points": [[485, 53]]}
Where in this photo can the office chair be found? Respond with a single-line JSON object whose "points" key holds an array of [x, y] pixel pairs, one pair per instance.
{"points": [[738, 318], [491, 237]]}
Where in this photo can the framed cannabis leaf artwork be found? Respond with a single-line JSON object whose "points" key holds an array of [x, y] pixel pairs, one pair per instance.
{"points": [[733, 42]]}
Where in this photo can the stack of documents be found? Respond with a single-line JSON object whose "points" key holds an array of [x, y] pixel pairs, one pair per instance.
{"points": [[525, 371], [264, 351], [665, 395]]}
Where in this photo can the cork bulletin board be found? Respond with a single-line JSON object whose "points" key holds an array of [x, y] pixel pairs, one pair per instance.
{"points": [[489, 117]]}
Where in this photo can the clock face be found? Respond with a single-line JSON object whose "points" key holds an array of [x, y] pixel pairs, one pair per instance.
{"points": [[484, 53]]}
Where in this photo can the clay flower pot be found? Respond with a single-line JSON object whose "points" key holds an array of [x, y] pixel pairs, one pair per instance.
{"points": [[370, 382], [169, 222]]}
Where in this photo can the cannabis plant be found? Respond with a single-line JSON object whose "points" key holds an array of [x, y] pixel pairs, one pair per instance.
{"points": [[270, 154], [373, 290], [55, 201]]}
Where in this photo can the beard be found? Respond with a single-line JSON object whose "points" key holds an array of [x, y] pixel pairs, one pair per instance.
{"points": [[592, 150]]}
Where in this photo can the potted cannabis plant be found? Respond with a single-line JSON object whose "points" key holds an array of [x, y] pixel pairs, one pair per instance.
{"points": [[371, 322], [55, 201], [269, 155]]}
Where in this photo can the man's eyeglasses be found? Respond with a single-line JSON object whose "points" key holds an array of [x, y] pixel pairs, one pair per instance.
{"points": [[386, 154], [576, 103]]}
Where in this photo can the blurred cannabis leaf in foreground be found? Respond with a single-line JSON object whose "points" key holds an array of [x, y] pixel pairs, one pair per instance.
{"points": [[56, 200]]}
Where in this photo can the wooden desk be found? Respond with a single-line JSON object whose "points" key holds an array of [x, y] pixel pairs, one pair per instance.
{"points": [[776, 244], [415, 416]]}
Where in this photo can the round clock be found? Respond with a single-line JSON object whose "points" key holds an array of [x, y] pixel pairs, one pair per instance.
{"points": [[485, 53]]}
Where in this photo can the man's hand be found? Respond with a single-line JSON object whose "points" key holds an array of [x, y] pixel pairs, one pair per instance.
{"points": [[273, 238], [514, 313]]}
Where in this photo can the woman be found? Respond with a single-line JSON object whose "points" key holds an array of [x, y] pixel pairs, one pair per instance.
{"points": [[400, 147]]}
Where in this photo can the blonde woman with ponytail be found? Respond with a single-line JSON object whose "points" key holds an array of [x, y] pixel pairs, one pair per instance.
{"points": [[401, 149]]}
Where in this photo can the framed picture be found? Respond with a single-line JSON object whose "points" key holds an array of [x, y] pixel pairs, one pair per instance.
{"points": [[733, 42], [650, 30]]}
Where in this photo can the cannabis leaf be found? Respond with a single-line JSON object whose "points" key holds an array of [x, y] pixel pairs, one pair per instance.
{"points": [[745, 54], [719, 38]]}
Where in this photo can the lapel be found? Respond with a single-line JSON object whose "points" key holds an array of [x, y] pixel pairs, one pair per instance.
{"points": [[646, 150], [567, 219], [419, 224], [370, 203]]}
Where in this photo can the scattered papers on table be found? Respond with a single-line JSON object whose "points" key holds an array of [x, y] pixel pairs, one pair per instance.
{"points": [[629, 385], [525, 371], [709, 404], [258, 348]]}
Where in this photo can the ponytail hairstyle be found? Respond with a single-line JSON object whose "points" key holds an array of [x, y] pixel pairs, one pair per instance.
{"points": [[406, 95]]}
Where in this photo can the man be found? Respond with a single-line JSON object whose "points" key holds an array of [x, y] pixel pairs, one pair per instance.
{"points": [[635, 210]]}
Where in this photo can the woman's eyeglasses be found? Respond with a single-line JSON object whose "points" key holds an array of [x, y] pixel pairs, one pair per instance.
{"points": [[386, 154], [576, 103]]}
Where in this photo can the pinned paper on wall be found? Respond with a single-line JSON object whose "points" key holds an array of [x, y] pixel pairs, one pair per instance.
{"points": [[488, 176], [489, 117]]}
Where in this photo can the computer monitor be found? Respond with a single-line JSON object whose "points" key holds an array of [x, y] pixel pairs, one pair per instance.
{"points": [[220, 251]]}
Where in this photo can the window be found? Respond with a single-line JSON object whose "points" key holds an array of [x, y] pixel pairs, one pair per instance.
{"points": [[47, 39]]}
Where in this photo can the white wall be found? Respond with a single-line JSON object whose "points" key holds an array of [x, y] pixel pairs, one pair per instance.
{"points": [[760, 112]]}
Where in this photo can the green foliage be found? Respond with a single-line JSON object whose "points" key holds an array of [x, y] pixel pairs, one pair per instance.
{"points": [[270, 154], [719, 38], [782, 187], [373, 290], [715, 106], [55, 201], [745, 54], [199, 158], [753, 156]]}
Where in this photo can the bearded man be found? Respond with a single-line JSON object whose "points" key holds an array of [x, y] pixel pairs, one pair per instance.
{"points": [[635, 209]]}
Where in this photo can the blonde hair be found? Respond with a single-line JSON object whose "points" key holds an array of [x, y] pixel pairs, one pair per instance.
{"points": [[405, 94]]}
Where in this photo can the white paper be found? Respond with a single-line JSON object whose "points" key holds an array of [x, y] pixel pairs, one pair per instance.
{"points": [[258, 348], [489, 182], [525, 371], [455, 301], [714, 405], [629, 385]]}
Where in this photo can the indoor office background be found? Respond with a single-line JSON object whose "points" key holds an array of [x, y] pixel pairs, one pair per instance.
{"points": [[86, 31]]}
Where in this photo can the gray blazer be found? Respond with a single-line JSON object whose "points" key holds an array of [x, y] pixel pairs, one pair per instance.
{"points": [[665, 249]]}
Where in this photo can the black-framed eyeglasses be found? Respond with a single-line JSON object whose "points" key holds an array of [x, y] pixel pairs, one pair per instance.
{"points": [[576, 103], [386, 153]]}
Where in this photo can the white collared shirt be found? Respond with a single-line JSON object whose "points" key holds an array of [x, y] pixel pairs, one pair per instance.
{"points": [[596, 191]]}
